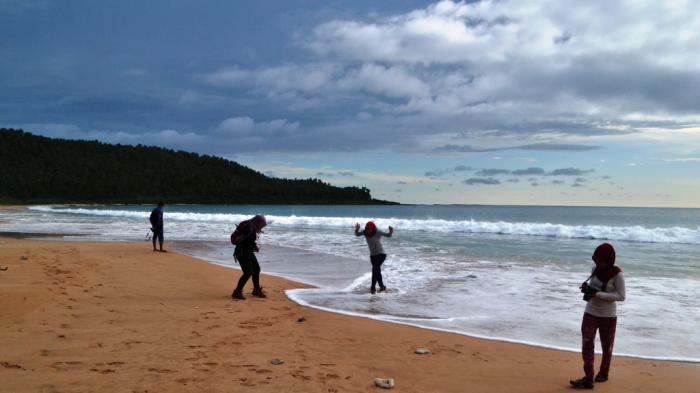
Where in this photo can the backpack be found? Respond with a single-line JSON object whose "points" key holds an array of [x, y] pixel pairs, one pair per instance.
{"points": [[237, 233], [153, 218]]}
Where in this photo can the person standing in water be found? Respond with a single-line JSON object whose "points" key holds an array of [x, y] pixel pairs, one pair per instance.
{"points": [[376, 252], [602, 290], [244, 237], [156, 220]]}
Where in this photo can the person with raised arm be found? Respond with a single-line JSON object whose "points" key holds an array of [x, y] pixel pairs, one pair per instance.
{"points": [[376, 251]]}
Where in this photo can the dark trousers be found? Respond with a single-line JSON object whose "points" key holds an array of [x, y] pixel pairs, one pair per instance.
{"points": [[250, 267], [158, 234], [377, 261], [589, 326]]}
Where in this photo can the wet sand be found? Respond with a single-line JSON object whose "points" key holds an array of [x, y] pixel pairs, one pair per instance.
{"points": [[106, 317]]}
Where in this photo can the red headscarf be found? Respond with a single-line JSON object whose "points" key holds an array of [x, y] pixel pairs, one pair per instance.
{"points": [[605, 253], [370, 228]]}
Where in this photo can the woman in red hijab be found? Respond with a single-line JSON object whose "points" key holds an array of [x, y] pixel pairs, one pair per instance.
{"points": [[602, 290], [376, 252]]}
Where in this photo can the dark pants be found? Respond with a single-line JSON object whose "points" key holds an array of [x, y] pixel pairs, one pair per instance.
{"points": [[250, 267], [377, 261], [589, 325], [158, 234]]}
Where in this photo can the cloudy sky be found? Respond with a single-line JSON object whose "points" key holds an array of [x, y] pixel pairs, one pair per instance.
{"points": [[492, 102]]}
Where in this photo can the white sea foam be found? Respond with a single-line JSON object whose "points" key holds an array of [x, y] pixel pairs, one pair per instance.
{"points": [[634, 233]]}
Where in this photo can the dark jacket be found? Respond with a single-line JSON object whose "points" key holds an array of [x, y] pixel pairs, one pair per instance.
{"points": [[247, 242]]}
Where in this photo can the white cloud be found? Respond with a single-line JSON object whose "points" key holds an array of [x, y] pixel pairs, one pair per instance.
{"points": [[247, 127], [391, 81], [489, 72], [282, 78]]}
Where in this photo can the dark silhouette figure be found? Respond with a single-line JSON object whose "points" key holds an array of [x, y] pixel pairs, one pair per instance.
{"points": [[244, 253], [157, 226]]}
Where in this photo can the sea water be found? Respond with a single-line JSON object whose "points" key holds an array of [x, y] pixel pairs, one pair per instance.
{"points": [[502, 272]]}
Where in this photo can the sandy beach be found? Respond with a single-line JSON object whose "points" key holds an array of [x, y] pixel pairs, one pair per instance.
{"points": [[116, 317]]}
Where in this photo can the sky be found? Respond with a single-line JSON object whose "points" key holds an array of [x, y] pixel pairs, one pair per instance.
{"points": [[539, 102]]}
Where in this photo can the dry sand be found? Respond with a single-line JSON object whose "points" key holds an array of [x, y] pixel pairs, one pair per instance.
{"points": [[116, 317]]}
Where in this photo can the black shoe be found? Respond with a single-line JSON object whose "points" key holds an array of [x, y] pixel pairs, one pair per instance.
{"points": [[601, 377], [258, 292], [581, 383], [382, 288], [238, 295], [372, 291]]}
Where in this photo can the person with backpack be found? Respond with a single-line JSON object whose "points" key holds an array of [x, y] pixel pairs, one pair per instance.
{"points": [[244, 238], [156, 220], [604, 287], [376, 252]]}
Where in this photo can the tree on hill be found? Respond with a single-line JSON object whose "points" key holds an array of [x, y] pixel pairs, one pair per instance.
{"points": [[38, 169]]}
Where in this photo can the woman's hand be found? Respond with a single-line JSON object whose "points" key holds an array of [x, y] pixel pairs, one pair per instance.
{"points": [[391, 230], [357, 227]]}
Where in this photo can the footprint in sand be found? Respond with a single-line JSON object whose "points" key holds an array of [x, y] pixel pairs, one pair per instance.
{"points": [[161, 370], [103, 371], [11, 365]]}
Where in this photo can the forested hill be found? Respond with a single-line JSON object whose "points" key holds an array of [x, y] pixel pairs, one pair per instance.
{"points": [[36, 169]]}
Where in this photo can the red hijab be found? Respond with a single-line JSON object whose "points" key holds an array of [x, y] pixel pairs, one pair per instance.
{"points": [[370, 228], [605, 254]]}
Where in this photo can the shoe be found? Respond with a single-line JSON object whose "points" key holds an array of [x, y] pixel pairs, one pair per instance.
{"points": [[237, 295], [382, 288], [601, 377], [258, 292], [581, 383], [372, 291]]}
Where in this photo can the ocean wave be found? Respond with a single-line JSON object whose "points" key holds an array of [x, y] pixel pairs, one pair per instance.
{"points": [[634, 233]]}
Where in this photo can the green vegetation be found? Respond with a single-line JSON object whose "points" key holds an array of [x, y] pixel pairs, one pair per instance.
{"points": [[36, 169]]}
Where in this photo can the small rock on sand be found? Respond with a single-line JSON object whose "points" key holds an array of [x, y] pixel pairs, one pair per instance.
{"points": [[422, 351], [301, 319], [276, 361], [385, 383]]}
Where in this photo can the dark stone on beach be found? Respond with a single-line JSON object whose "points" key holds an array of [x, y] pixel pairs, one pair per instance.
{"points": [[301, 319], [277, 361]]}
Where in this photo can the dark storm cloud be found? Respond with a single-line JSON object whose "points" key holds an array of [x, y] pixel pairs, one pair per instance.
{"points": [[557, 147], [485, 181], [529, 171], [441, 172], [491, 172], [570, 172]]}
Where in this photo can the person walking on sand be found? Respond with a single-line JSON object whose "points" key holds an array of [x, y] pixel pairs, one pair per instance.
{"points": [[156, 219], [602, 290], [244, 238], [376, 251]]}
